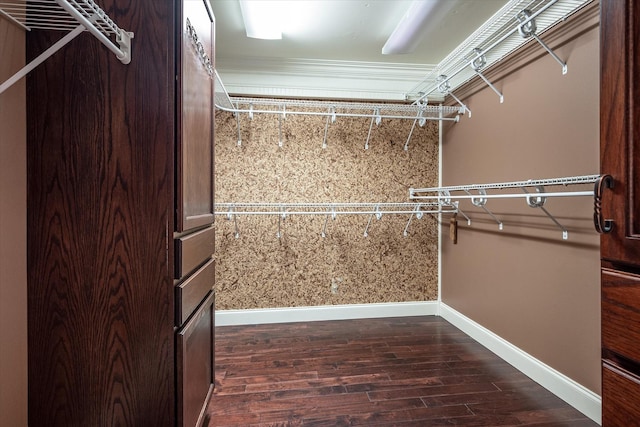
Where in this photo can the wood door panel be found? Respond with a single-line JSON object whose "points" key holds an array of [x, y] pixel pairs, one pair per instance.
{"points": [[196, 116], [619, 128]]}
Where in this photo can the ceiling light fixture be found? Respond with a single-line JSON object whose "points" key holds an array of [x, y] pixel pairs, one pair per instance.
{"points": [[414, 25], [262, 18]]}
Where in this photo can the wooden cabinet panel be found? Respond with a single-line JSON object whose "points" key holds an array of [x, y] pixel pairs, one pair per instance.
{"points": [[192, 250], [100, 212], [620, 391], [621, 313], [620, 248], [194, 208], [195, 353], [195, 117], [119, 158], [193, 290], [620, 128]]}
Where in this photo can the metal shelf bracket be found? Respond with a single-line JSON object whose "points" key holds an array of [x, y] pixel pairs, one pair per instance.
{"points": [[76, 16], [528, 28]]}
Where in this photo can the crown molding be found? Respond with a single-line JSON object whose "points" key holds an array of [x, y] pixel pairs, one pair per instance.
{"points": [[310, 78]]}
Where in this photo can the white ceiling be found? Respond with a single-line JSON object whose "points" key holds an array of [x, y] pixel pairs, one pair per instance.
{"points": [[334, 49]]}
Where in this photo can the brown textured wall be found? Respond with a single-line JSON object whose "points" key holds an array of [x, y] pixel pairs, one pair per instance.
{"points": [[525, 283], [258, 270], [13, 244]]}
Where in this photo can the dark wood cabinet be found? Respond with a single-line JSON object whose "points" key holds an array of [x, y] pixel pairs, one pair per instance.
{"points": [[195, 115], [194, 235], [194, 356], [621, 313], [193, 290], [120, 174], [620, 246], [193, 249], [620, 402], [620, 128]]}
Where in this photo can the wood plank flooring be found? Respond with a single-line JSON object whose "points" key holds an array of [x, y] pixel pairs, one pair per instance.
{"points": [[409, 371]]}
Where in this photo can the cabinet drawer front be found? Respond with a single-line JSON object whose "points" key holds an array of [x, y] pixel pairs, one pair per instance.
{"points": [[194, 358], [621, 313], [193, 290], [620, 392], [192, 250]]}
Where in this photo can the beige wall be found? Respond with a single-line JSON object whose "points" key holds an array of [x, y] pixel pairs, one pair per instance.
{"points": [[13, 217], [525, 283]]}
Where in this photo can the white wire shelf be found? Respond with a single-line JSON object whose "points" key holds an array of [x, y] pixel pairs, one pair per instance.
{"points": [[72, 16], [533, 191], [572, 180], [513, 26], [420, 113], [332, 210], [284, 107]]}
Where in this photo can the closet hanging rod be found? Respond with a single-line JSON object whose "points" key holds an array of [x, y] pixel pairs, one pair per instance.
{"points": [[408, 108], [334, 209], [571, 180], [339, 114], [536, 198], [65, 15], [331, 210], [504, 196]]}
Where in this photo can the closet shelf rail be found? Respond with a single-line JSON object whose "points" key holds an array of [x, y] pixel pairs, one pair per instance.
{"points": [[331, 109], [332, 210], [513, 26], [74, 16], [418, 112], [533, 191]]}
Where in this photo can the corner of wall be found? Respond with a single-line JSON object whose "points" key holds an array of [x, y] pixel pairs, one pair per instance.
{"points": [[13, 215]]}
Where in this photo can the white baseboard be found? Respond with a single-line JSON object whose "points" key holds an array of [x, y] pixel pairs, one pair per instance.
{"points": [[581, 398], [325, 312]]}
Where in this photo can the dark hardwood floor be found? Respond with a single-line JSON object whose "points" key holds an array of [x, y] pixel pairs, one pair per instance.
{"points": [[409, 371]]}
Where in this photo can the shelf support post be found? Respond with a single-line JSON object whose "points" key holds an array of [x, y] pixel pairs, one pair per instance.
{"points": [[406, 144], [481, 202], [42, 57], [237, 114], [538, 202]]}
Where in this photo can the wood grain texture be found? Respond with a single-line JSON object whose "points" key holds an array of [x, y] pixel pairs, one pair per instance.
{"points": [[192, 250], [620, 389], [620, 250], [258, 270], [191, 292], [413, 371], [621, 313], [100, 179], [619, 130], [194, 364], [195, 120]]}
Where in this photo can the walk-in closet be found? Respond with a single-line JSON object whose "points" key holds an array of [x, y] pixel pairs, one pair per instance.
{"points": [[409, 212]]}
